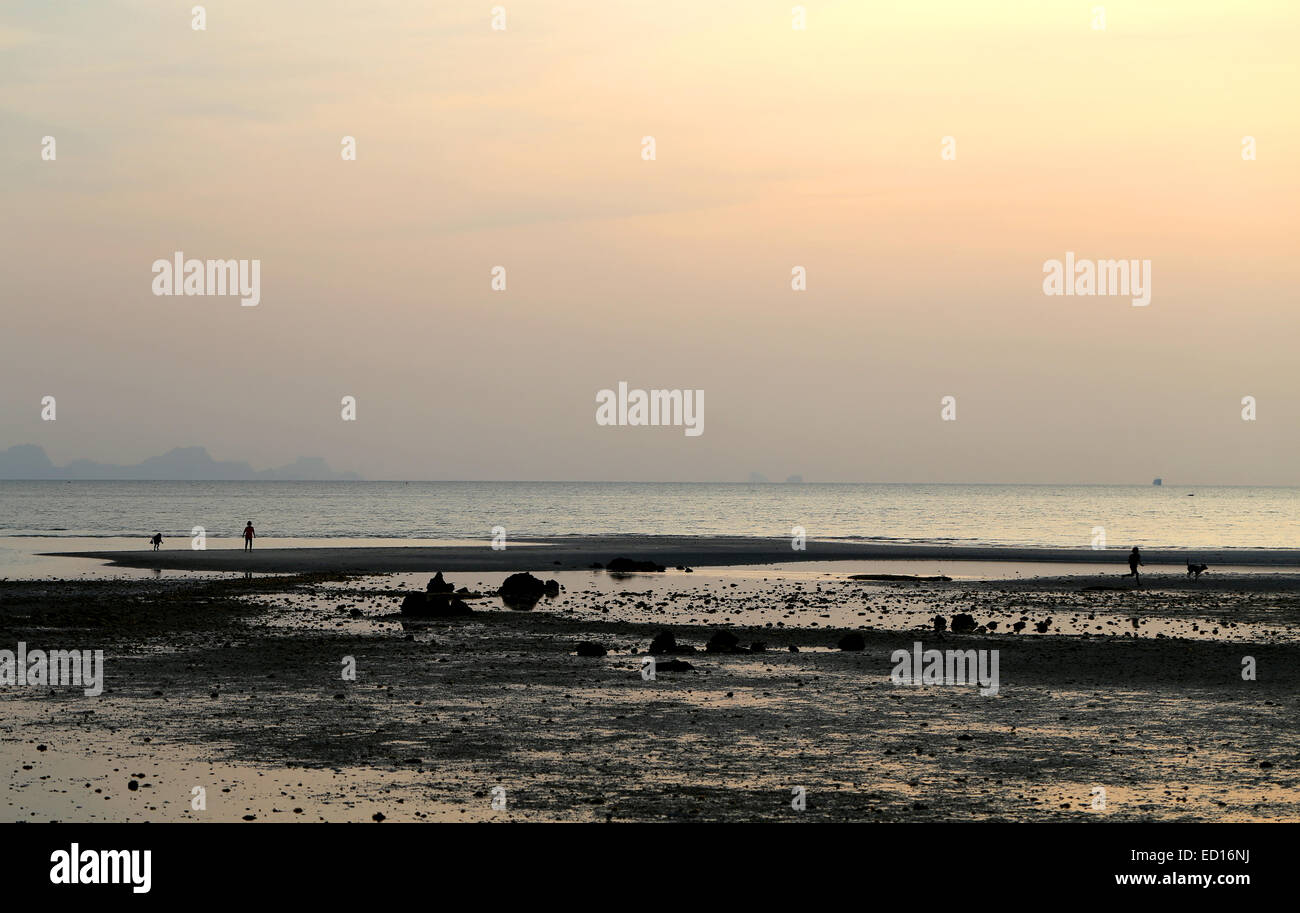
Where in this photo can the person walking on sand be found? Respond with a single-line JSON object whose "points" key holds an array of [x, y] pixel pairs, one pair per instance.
{"points": [[1134, 559], [156, 539], [249, 533]]}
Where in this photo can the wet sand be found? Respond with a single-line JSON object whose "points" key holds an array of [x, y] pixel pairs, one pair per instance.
{"points": [[235, 686], [571, 553]]}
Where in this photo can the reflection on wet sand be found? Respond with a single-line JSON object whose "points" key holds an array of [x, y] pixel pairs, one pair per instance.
{"points": [[234, 686]]}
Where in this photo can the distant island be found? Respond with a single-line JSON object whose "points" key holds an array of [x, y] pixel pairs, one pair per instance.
{"points": [[188, 464]]}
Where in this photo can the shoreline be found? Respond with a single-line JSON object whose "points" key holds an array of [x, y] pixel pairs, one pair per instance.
{"points": [[580, 553]]}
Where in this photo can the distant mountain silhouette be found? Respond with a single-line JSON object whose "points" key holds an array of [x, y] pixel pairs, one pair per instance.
{"points": [[28, 461]]}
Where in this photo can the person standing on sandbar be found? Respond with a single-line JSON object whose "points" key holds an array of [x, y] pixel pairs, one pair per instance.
{"points": [[1134, 559], [248, 536]]}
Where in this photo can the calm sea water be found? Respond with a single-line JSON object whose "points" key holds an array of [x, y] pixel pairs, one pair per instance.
{"points": [[1036, 515]]}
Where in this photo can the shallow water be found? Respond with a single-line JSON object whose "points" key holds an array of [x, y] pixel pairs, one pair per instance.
{"points": [[776, 597], [1030, 515]]}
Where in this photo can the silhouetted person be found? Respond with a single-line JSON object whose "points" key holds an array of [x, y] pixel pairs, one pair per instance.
{"points": [[249, 533], [156, 540], [1134, 559]]}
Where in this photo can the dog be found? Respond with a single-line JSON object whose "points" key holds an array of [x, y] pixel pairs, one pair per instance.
{"points": [[1196, 570]]}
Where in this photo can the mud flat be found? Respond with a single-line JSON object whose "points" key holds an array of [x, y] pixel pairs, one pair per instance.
{"points": [[235, 687]]}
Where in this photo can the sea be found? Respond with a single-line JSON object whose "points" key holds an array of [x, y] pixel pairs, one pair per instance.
{"points": [[304, 513]]}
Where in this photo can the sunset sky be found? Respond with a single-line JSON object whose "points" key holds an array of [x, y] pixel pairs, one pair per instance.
{"points": [[775, 148]]}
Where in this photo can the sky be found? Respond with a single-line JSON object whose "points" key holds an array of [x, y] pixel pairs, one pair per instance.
{"points": [[774, 148]]}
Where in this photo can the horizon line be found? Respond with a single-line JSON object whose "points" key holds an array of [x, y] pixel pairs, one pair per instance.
{"points": [[680, 482]]}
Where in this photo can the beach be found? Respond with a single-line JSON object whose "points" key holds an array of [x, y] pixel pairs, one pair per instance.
{"points": [[235, 685], [581, 552], [654, 413]]}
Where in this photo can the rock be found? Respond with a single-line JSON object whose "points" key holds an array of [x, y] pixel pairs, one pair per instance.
{"points": [[723, 642], [1018, 627], [522, 591], [355, 613], [963, 623], [433, 605], [438, 585], [628, 566], [672, 665], [852, 641], [664, 642], [792, 648], [1042, 626], [552, 588], [940, 624], [758, 646], [590, 648]]}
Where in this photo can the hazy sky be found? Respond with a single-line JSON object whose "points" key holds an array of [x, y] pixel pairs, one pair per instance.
{"points": [[775, 148]]}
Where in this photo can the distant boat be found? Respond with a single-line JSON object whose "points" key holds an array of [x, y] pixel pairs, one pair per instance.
{"points": [[1157, 481]]}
